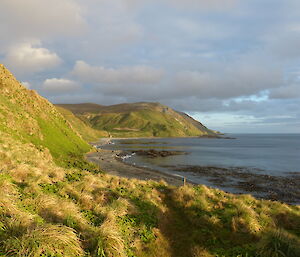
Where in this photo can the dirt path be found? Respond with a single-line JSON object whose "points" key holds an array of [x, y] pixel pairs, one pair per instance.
{"points": [[175, 227]]}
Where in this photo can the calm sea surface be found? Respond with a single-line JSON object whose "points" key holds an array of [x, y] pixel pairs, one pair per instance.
{"points": [[270, 154]]}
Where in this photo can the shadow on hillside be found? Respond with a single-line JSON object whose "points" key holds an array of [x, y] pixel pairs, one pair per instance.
{"points": [[223, 229], [191, 233]]}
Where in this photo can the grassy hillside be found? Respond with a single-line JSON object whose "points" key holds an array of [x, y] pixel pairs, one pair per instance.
{"points": [[30, 118], [86, 132], [46, 210], [49, 210], [139, 120]]}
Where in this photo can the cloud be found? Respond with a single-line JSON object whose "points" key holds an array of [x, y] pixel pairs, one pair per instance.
{"points": [[109, 77], [195, 55], [203, 4], [57, 86], [30, 58], [39, 18], [286, 92], [240, 78], [26, 84]]}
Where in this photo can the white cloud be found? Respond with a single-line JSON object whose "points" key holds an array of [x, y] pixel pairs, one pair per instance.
{"points": [[57, 86], [26, 84], [30, 58], [125, 75]]}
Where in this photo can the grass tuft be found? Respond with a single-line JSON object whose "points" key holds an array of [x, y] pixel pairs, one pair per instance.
{"points": [[45, 240], [279, 243]]}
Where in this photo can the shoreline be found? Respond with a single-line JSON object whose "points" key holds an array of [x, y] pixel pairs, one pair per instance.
{"points": [[283, 189], [111, 162]]}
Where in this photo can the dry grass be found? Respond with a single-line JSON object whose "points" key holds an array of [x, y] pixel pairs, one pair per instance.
{"points": [[111, 243], [57, 210], [45, 240]]}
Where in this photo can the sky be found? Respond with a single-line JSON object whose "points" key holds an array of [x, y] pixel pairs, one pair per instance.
{"points": [[232, 64]]}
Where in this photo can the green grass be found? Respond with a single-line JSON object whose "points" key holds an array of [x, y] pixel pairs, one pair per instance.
{"points": [[30, 118], [139, 120], [86, 132]]}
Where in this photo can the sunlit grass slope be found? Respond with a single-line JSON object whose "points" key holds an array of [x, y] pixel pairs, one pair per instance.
{"points": [[30, 118], [46, 210], [50, 210], [139, 120], [86, 132]]}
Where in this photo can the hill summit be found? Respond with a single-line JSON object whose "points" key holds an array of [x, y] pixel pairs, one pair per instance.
{"points": [[142, 119]]}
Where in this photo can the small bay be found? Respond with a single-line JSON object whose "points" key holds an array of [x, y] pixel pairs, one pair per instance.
{"points": [[265, 165]]}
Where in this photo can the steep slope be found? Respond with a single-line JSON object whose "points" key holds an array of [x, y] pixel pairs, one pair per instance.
{"points": [[86, 132], [139, 120], [30, 118]]}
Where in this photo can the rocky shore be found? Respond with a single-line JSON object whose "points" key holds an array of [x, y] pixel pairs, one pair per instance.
{"points": [[235, 179], [154, 153], [279, 188]]}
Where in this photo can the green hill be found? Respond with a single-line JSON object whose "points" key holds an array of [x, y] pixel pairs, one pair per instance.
{"points": [[139, 120], [32, 119], [85, 131], [77, 211]]}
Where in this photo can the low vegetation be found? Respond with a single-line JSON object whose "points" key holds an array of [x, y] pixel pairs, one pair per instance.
{"points": [[51, 205], [47, 210]]}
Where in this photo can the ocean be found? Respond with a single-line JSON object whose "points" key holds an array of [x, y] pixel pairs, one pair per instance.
{"points": [[247, 163]]}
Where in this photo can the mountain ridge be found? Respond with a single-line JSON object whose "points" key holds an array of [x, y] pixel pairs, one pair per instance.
{"points": [[144, 119]]}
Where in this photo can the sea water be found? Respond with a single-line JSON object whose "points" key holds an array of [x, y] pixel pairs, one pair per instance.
{"points": [[266, 154], [275, 154]]}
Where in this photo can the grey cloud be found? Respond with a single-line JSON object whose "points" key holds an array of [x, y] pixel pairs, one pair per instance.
{"points": [[203, 4], [237, 79], [286, 92], [39, 18], [123, 75]]}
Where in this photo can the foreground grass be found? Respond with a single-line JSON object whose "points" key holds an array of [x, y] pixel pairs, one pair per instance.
{"points": [[46, 210]]}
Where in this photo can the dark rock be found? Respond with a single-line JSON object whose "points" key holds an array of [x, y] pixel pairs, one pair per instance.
{"points": [[154, 153]]}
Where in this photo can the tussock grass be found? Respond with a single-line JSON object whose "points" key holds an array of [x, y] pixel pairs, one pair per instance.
{"points": [[121, 217], [45, 240], [111, 243], [279, 243]]}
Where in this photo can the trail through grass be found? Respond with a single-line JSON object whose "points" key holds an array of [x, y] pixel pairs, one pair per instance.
{"points": [[176, 227]]}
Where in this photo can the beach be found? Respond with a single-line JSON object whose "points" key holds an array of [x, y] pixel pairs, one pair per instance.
{"points": [[111, 162]]}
